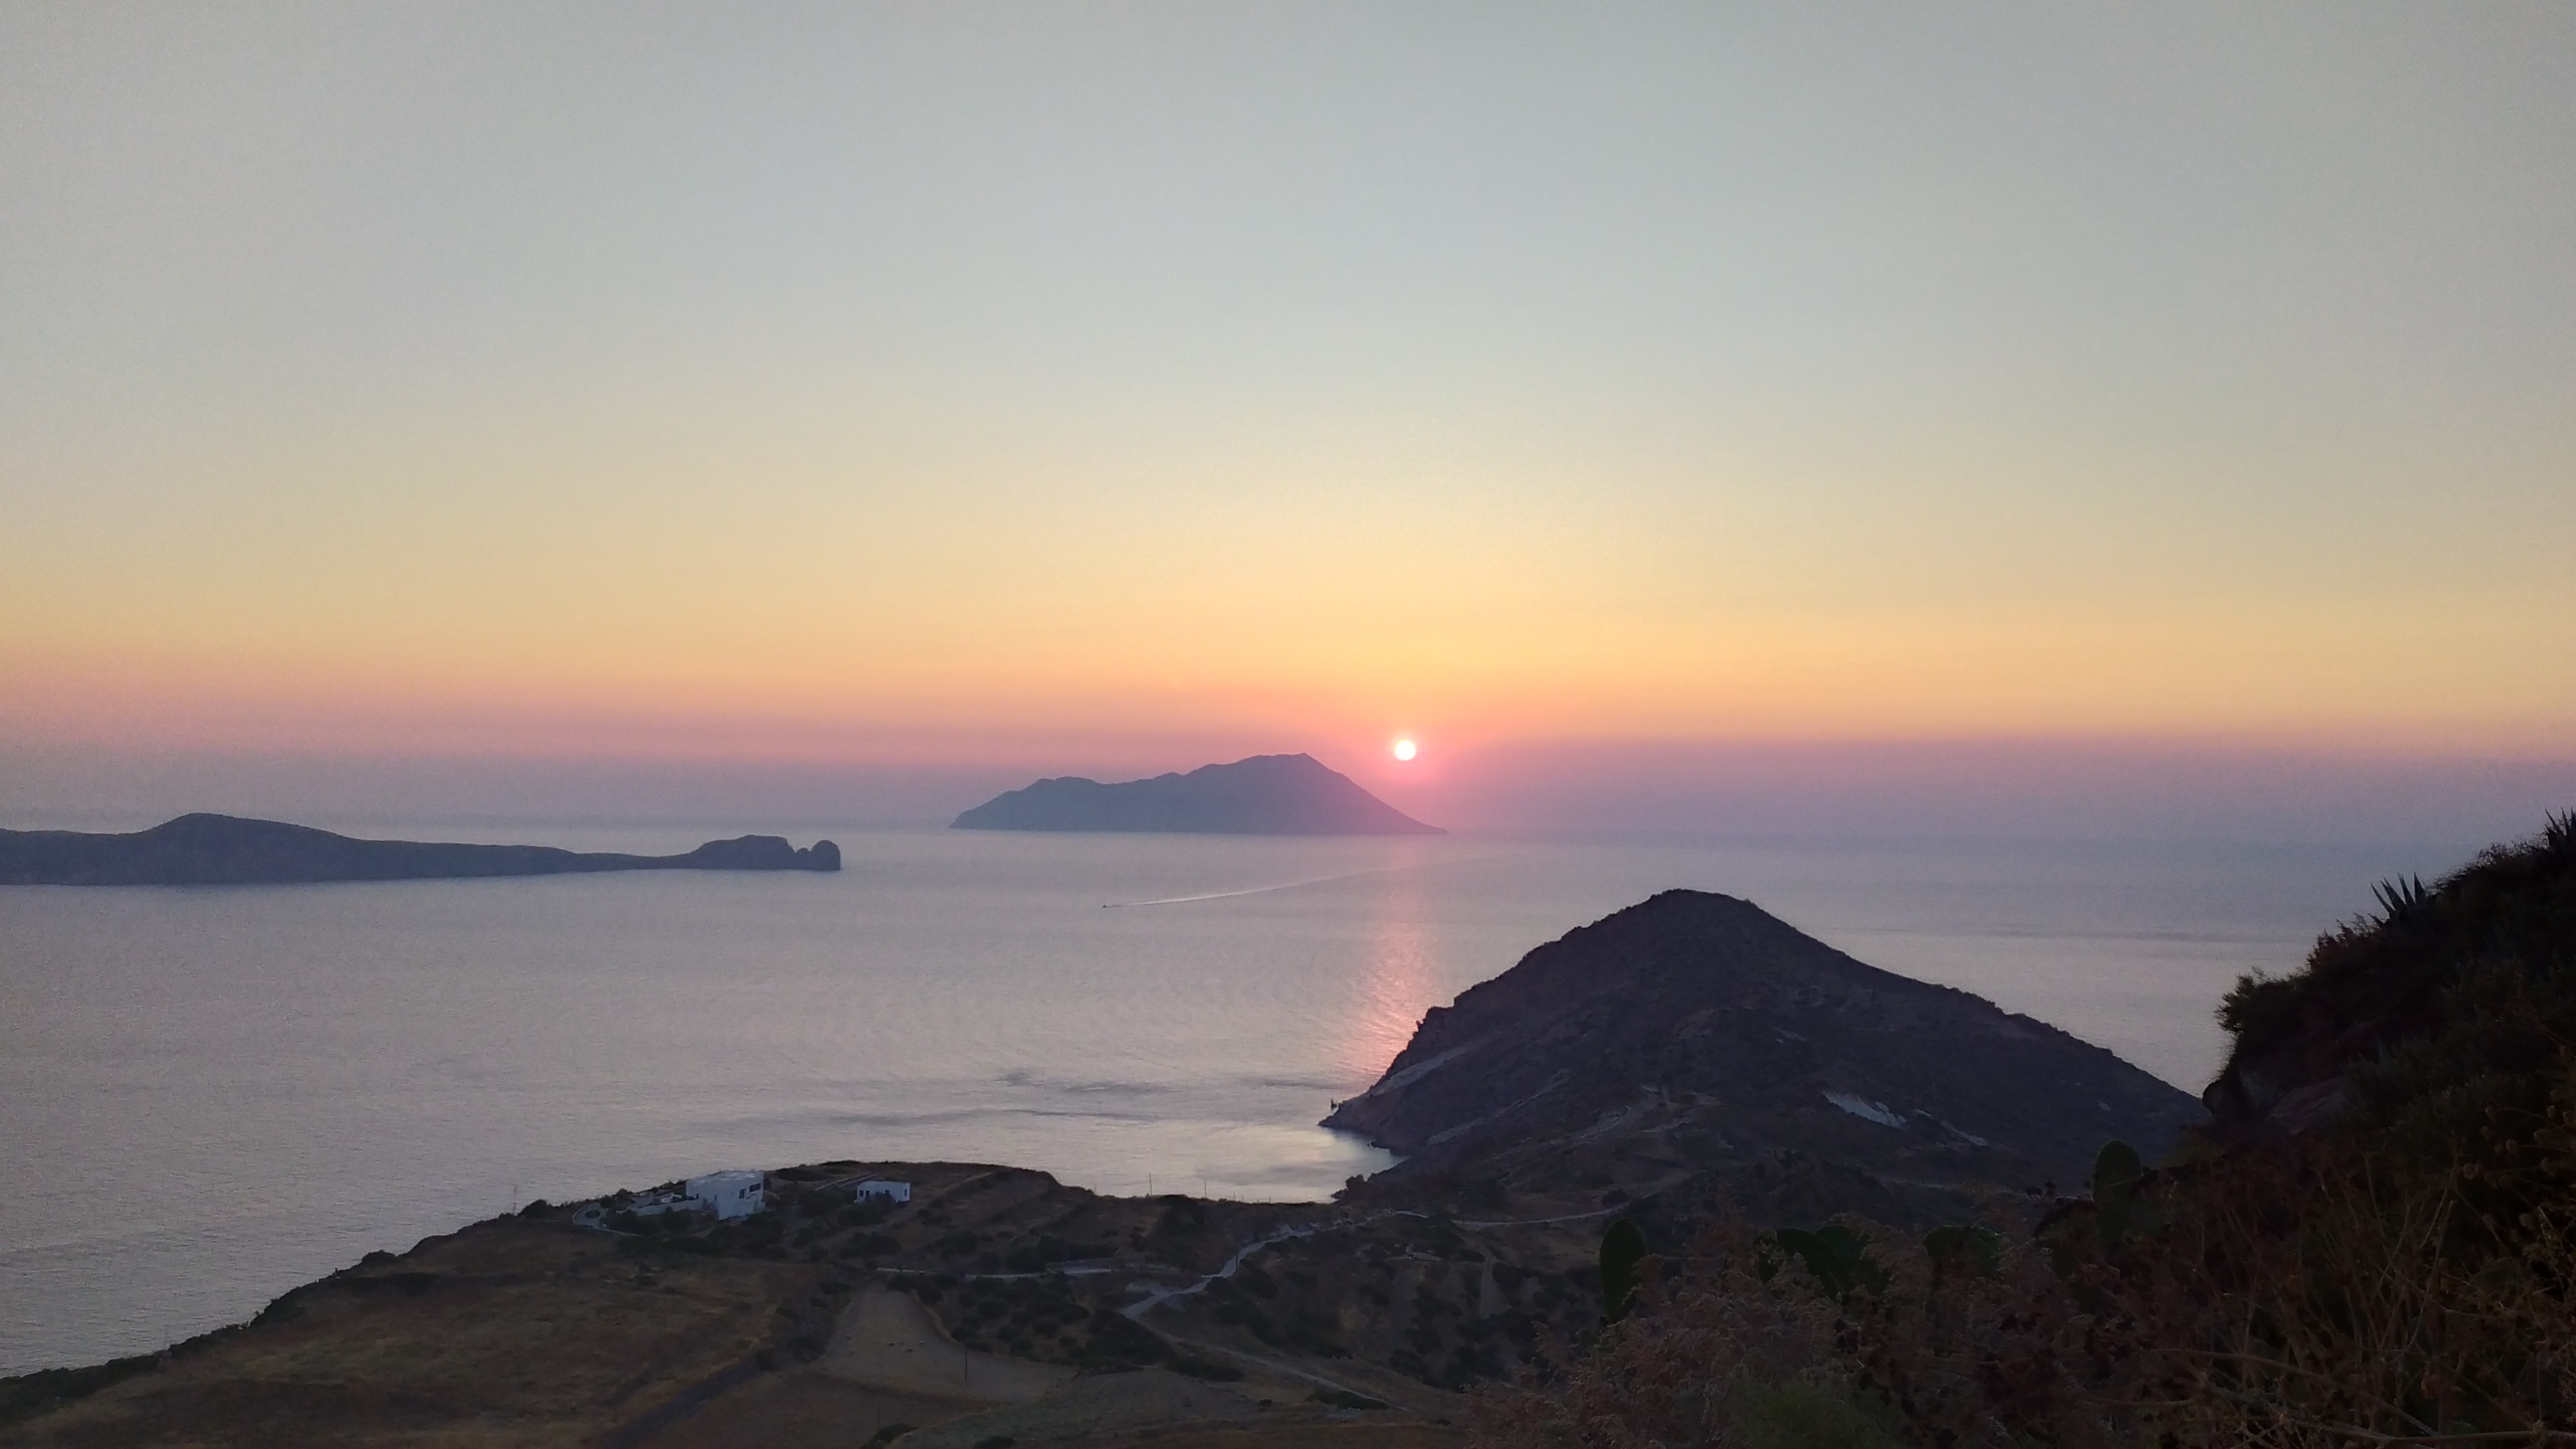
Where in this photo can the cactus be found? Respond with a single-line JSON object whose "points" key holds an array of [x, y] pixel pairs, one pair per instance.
{"points": [[1623, 1248], [1959, 1250], [1836, 1255], [2119, 1212]]}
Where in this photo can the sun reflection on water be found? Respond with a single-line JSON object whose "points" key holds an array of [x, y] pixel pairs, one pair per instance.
{"points": [[1399, 985]]}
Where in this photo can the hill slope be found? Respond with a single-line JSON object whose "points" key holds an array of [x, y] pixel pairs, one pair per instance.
{"points": [[1263, 795], [2444, 1017], [1698, 1033]]}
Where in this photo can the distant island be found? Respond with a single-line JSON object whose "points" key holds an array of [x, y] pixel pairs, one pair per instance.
{"points": [[1263, 795], [206, 849]]}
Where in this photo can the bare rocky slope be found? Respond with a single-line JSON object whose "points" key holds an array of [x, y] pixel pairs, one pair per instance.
{"points": [[1698, 1041]]}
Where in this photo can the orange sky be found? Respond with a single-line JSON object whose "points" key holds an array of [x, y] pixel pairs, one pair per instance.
{"points": [[889, 384]]}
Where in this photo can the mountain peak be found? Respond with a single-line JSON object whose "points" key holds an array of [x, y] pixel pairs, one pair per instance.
{"points": [[1701, 1035]]}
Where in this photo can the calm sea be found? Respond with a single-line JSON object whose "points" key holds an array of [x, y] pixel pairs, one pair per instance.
{"points": [[210, 1095]]}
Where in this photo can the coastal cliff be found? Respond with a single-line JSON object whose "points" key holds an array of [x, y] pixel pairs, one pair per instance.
{"points": [[226, 850], [1262, 795]]}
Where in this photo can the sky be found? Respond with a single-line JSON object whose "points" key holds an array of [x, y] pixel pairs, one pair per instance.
{"points": [[1848, 400]]}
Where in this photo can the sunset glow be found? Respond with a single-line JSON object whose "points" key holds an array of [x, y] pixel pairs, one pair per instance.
{"points": [[923, 391], [1125, 627]]}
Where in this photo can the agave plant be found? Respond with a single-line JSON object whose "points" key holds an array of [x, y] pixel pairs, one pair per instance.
{"points": [[2404, 904]]}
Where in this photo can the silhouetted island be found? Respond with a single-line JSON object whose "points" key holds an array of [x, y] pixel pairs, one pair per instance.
{"points": [[1263, 795], [1704, 1034], [226, 850]]}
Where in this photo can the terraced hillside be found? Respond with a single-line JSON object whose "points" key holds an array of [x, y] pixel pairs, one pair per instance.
{"points": [[998, 1297]]}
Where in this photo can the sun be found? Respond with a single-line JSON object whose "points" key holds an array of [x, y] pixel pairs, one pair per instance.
{"points": [[1403, 749]]}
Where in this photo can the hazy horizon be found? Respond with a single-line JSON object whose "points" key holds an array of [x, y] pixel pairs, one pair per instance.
{"points": [[2170, 406], [2433, 813]]}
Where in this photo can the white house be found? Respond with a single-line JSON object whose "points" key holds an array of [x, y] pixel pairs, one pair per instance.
{"points": [[879, 1190], [736, 1194]]}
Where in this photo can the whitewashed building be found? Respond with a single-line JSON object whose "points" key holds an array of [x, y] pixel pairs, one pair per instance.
{"points": [[736, 1194], [877, 1189]]}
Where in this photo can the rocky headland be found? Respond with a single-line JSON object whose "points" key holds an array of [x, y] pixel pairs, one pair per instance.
{"points": [[227, 850], [1697, 1046]]}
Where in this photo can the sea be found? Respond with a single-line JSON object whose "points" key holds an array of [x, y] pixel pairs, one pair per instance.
{"points": [[211, 1095]]}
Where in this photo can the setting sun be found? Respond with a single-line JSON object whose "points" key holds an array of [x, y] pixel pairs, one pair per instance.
{"points": [[2056, 499]]}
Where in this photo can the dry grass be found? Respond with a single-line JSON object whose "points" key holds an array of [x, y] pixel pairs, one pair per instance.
{"points": [[801, 1409], [507, 1334], [533, 1333], [887, 1340]]}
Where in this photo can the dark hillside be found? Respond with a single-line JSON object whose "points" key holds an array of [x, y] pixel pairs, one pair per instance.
{"points": [[1696, 1044], [2374, 1246], [2449, 1014]]}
